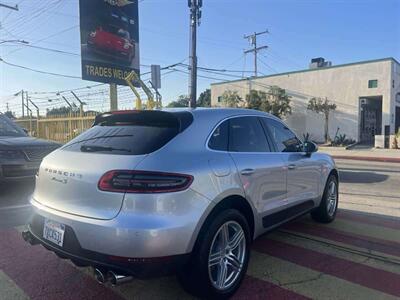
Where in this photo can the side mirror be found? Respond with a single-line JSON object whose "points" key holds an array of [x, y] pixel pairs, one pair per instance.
{"points": [[309, 148]]}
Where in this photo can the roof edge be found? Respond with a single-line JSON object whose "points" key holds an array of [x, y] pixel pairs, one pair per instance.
{"points": [[311, 70]]}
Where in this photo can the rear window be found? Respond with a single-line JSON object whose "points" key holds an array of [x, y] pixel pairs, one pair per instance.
{"points": [[135, 133]]}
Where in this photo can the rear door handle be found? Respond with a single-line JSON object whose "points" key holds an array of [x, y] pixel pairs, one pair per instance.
{"points": [[247, 172], [291, 167]]}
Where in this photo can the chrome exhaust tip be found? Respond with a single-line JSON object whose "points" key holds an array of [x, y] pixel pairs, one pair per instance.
{"points": [[100, 276], [116, 279]]}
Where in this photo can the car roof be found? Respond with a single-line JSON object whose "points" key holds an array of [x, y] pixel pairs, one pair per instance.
{"points": [[220, 113]]}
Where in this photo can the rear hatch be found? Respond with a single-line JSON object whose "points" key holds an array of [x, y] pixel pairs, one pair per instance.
{"points": [[68, 178]]}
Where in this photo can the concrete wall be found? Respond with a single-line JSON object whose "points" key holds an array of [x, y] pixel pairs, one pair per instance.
{"points": [[344, 85], [395, 94]]}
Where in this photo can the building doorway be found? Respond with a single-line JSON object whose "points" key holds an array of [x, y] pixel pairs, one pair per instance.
{"points": [[370, 119], [397, 122]]}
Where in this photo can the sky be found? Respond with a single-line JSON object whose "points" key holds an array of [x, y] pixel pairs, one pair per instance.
{"points": [[342, 31]]}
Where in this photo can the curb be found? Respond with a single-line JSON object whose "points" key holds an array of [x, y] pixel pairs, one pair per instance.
{"points": [[368, 158]]}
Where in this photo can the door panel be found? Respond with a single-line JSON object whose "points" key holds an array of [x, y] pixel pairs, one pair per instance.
{"points": [[303, 172], [262, 172], [263, 177], [302, 179]]}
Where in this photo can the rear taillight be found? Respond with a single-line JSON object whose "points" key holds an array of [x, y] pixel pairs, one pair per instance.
{"points": [[125, 181]]}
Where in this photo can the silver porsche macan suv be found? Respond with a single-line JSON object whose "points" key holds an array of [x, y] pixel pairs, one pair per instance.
{"points": [[149, 193]]}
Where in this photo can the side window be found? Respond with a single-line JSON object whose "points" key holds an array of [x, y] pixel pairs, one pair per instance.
{"points": [[219, 138], [285, 139], [247, 135]]}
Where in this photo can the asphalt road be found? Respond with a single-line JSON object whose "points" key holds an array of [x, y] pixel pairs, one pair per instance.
{"points": [[355, 257]]}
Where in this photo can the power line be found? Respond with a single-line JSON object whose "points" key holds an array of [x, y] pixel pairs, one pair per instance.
{"points": [[45, 38], [38, 71]]}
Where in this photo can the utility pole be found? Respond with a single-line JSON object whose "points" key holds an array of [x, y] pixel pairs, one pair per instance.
{"points": [[37, 116], [158, 95], [22, 101], [8, 108], [81, 104], [195, 16], [253, 41], [9, 6], [23, 106], [27, 104], [29, 114], [70, 117], [113, 97]]}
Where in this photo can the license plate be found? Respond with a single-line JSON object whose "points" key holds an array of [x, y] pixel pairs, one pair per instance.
{"points": [[54, 232]]}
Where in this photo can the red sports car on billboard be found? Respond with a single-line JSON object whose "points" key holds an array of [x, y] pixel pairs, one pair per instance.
{"points": [[112, 41]]}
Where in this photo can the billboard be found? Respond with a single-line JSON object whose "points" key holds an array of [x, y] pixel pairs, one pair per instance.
{"points": [[109, 39]]}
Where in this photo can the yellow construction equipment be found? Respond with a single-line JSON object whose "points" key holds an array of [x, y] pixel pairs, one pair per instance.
{"points": [[132, 76]]}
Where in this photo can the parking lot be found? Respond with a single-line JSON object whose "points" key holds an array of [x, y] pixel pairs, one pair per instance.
{"points": [[355, 257]]}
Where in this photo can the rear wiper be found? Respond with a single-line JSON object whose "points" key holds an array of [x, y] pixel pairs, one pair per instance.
{"points": [[99, 137], [88, 148]]}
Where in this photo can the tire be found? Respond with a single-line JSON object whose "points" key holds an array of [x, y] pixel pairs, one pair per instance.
{"points": [[326, 211], [198, 278]]}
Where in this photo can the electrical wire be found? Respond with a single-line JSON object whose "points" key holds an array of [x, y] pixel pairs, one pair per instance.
{"points": [[38, 71]]}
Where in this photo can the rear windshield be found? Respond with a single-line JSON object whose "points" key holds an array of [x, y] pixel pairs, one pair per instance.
{"points": [[129, 134]]}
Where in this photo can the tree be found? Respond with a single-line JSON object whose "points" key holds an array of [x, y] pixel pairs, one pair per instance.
{"points": [[278, 102], [275, 101], [231, 99], [322, 106], [183, 101], [204, 99], [255, 99], [63, 110]]}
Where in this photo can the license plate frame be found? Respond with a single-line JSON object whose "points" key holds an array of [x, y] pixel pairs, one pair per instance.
{"points": [[54, 232]]}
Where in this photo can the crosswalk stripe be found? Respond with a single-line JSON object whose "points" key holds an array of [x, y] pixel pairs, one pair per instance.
{"points": [[308, 282], [9, 290], [157, 288], [254, 288], [41, 274], [366, 242], [336, 250], [357, 273], [356, 228], [368, 219]]}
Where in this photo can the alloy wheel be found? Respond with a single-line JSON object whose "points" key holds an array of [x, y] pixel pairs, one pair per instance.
{"points": [[332, 198], [227, 255]]}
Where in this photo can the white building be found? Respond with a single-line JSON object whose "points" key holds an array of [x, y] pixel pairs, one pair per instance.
{"points": [[367, 95]]}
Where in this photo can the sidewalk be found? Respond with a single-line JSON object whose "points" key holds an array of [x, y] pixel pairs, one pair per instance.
{"points": [[369, 154]]}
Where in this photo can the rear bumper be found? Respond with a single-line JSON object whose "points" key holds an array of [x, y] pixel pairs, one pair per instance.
{"points": [[146, 225], [140, 268], [151, 234]]}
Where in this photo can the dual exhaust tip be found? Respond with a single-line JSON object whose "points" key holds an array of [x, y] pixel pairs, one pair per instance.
{"points": [[115, 279], [101, 276]]}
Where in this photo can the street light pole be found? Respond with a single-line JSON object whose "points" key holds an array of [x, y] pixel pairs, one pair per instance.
{"points": [[195, 16]]}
